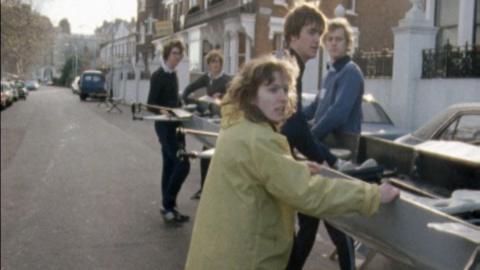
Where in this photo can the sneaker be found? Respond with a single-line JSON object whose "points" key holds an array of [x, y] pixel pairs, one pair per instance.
{"points": [[343, 165], [369, 163], [197, 195], [169, 216], [179, 217]]}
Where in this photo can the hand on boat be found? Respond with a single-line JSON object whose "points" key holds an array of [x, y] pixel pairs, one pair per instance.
{"points": [[314, 167], [388, 193]]}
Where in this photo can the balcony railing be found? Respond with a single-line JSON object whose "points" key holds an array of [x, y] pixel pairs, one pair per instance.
{"points": [[218, 8], [451, 62], [375, 64]]}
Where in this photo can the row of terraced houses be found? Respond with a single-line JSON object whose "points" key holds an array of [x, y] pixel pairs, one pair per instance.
{"points": [[418, 56]]}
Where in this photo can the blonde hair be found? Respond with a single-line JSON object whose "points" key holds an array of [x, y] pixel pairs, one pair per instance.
{"points": [[244, 87], [340, 23], [211, 55], [301, 15]]}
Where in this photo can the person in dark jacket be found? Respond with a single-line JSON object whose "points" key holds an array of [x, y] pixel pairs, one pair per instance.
{"points": [[215, 82], [303, 28], [164, 92]]}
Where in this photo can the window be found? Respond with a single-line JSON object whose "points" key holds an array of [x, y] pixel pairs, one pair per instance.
{"points": [[373, 113], [351, 4], [207, 47], [141, 5], [142, 33], [446, 19], [277, 41], [194, 54], [193, 3], [465, 129], [242, 46]]}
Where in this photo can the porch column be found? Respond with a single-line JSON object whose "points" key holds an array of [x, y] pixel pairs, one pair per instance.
{"points": [[233, 53], [413, 34], [466, 16]]}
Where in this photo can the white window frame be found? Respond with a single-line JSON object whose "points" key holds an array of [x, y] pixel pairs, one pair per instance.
{"points": [[141, 5], [351, 9], [280, 3]]}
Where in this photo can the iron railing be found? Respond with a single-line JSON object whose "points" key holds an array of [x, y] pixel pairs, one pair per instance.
{"points": [[451, 62], [375, 64]]}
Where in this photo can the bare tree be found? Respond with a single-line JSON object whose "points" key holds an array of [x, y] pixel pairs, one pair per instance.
{"points": [[26, 36]]}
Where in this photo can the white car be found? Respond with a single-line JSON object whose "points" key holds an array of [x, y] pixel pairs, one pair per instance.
{"points": [[460, 122]]}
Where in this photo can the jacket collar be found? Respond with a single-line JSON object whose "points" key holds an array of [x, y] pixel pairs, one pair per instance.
{"points": [[300, 62], [339, 64], [166, 68], [210, 75]]}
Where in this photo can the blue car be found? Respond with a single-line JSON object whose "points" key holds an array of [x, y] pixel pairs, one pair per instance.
{"points": [[92, 84]]}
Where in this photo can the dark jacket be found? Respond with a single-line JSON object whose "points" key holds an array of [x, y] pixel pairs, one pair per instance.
{"points": [[297, 130], [164, 89], [213, 86]]}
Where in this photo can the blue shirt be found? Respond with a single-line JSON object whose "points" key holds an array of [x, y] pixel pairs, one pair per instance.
{"points": [[338, 106]]}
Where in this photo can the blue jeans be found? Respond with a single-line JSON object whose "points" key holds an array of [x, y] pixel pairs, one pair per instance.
{"points": [[175, 169]]}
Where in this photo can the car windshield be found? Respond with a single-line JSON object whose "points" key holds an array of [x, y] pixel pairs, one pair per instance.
{"points": [[373, 113], [94, 78]]}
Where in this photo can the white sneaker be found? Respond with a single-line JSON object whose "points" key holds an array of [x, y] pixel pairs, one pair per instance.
{"points": [[344, 165], [369, 163]]}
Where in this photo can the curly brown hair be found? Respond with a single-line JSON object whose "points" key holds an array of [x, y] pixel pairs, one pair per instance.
{"points": [[244, 87], [174, 43]]}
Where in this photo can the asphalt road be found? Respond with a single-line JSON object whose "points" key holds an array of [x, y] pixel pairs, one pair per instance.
{"points": [[80, 189]]}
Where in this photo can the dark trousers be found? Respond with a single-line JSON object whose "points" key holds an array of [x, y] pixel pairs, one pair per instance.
{"points": [[204, 164], [305, 239], [175, 169]]}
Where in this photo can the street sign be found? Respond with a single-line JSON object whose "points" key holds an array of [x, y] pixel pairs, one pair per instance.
{"points": [[163, 28]]}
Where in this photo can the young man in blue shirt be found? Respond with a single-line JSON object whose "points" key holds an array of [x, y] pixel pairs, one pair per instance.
{"points": [[337, 111], [337, 108]]}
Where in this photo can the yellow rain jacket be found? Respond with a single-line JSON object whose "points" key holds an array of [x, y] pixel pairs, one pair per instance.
{"points": [[245, 219]]}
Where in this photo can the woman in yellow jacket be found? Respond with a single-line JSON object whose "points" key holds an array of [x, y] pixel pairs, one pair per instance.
{"points": [[245, 219]]}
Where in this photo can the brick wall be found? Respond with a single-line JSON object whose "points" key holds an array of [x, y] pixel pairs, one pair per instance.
{"points": [[376, 18]]}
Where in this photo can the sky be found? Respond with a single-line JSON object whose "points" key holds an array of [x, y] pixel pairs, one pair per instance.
{"points": [[85, 15]]}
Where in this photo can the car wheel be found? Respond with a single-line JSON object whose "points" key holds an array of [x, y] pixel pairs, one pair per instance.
{"points": [[83, 97]]}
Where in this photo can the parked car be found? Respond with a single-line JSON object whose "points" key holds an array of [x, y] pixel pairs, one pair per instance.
{"points": [[3, 98], [32, 85], [376, 121], [22, 90], [13, 90], [75, 86], [460, 122], [92, 84], [7, 94]]}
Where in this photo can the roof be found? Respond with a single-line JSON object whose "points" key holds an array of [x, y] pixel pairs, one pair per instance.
{"points": [[427, 130], [93, 71]]}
